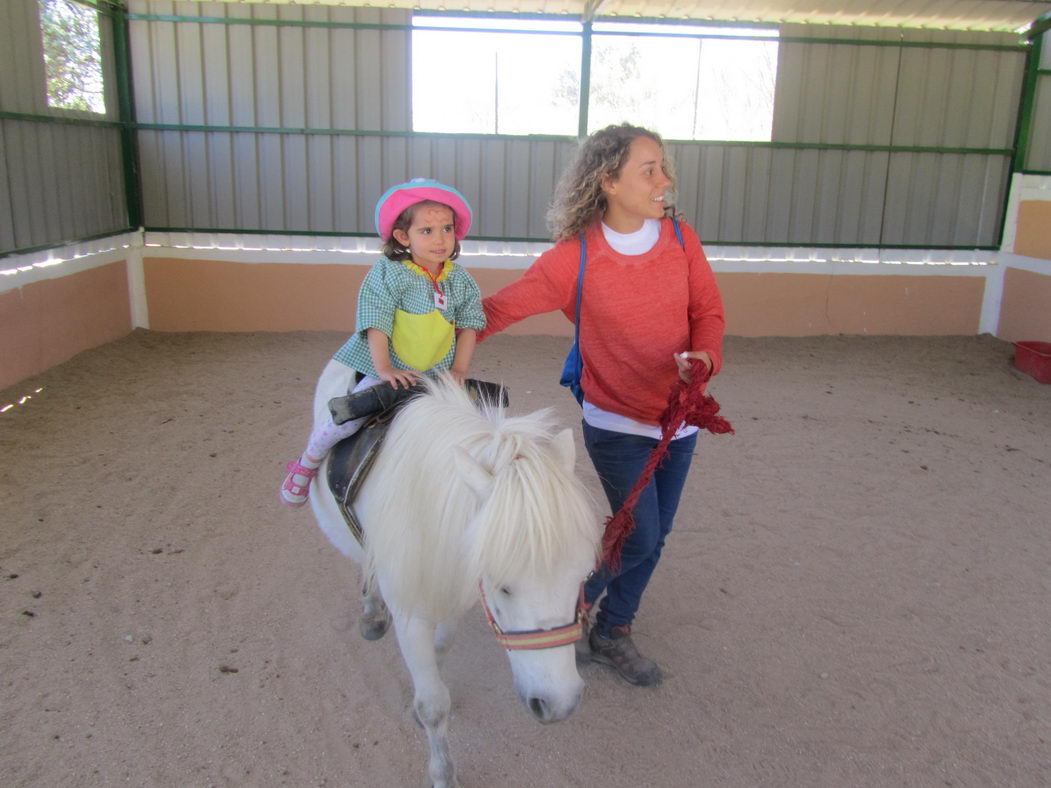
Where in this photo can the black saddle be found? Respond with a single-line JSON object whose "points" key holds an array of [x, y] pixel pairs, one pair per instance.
{"points": [[352, 458]]}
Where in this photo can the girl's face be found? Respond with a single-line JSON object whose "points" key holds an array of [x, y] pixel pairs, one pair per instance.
{"points": [[431, 237], [637, 192]]}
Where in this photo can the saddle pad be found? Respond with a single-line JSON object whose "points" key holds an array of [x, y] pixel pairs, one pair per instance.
{"points": [[349, 464]]}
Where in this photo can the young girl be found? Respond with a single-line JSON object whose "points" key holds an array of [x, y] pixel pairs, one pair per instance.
{"points": [[649, 303], [418, 313]]}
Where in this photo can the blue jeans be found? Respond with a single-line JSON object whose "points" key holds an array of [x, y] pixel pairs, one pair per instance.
{"points": [[619, 460]]}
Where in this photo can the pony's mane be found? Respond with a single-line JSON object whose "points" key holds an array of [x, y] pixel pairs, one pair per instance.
{"points": [[429, 533]]}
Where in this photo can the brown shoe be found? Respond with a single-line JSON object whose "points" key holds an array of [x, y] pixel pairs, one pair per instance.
{"points": [[619, 651]]}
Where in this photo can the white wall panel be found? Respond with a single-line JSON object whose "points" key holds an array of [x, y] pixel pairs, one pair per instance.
{"points": [[835, 93], [957, 98], [918, 213], [781, 196], [1039, 152], [21, 57], [268, 76], [58, 180]]}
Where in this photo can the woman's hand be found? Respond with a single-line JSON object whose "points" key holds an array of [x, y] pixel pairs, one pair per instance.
{"points": [[398, 377], [682, 361]]}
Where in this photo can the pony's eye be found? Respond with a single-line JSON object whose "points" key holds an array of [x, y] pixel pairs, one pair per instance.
{"points": [[505, 590]]}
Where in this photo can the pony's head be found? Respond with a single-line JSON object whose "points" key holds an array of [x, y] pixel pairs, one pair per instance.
{"points": [[463, 497], [532, 543]]}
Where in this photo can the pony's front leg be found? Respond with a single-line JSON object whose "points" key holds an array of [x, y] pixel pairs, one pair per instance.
{"points": [[431, 701], [443, 638], [375, 618]]}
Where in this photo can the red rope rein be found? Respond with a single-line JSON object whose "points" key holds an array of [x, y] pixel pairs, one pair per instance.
{"points": [[687, 403]]}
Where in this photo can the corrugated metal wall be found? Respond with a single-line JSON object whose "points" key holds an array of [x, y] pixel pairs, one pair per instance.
{"points": [[927, 97], [58, 180], [318, 78], [856, 95], [1039, 152], [322, 78], [273, 76]]}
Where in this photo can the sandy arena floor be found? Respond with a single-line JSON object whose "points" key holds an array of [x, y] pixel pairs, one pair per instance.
{"points": [[857, 592]]}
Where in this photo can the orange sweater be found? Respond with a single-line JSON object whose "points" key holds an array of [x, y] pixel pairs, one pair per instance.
{"points": [[635, 313]]}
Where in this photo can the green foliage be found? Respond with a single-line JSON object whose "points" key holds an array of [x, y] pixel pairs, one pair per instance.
{"points": [[72, 55]]}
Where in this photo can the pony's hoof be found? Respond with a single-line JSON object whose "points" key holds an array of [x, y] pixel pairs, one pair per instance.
{"points": [[374, 628]]}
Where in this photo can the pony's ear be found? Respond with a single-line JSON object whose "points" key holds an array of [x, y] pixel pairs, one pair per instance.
{"points": [[473, 473], [565, 449]]}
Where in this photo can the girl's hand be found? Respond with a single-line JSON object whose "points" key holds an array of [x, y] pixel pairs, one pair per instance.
{"points": [[682, 361], [459, 375], [398, 377]]}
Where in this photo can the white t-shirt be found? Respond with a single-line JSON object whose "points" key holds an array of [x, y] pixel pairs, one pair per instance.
{"points": [[630, 244]]}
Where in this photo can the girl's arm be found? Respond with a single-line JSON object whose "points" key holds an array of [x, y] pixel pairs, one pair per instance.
{"points": [[465, 342], [380, 353]]}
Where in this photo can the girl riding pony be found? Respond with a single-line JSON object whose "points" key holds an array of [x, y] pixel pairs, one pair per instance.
{"points": [[418, 312]]}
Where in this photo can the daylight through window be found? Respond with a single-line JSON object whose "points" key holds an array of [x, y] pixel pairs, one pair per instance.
{"points": [[488, 82], [72, 55], [687, 82]]}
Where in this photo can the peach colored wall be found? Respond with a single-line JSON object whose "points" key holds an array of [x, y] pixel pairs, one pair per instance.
{"points": [[205, 295], [208, 295], [198, 295], [1033, 234], [1025, 307], [807, 304], [50, 321]]}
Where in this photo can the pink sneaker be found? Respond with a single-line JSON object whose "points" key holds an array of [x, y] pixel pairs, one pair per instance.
{"points": [[296, 488]]}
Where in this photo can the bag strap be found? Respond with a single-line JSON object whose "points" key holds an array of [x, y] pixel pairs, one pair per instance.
{"points": [[580, 287]]}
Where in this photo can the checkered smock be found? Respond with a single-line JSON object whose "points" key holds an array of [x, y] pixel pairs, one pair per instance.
{"points": [[402, 285]]}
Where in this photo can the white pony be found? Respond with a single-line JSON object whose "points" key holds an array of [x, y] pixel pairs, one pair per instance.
{"points": [[461, 500]]}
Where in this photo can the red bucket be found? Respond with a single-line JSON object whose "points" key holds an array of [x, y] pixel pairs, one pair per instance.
{"points": [[1034, 358]]}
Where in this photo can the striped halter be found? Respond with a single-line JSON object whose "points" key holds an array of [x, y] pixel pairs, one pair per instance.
{"points": [[534, 639]]}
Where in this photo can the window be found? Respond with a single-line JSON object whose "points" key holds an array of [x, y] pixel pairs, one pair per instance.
{"points": [[497, 76], [72, 56], [478, 80], [685, 82]]}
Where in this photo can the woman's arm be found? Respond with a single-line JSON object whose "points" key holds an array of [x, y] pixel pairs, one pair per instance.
{"points": [[548, 284], [706, 316]]}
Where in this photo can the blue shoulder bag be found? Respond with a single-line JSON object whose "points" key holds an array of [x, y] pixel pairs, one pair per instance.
{"points": [[573, 367]]}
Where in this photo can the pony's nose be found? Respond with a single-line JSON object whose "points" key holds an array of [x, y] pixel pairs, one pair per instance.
{"points": [[540, 709]]}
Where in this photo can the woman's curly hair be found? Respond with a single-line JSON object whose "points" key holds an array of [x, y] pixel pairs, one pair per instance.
{"points": [[579, 199]]}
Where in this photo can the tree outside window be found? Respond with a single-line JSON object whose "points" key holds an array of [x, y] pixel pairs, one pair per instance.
{"points": [[72, 56], [688, 82], [685, 82]]}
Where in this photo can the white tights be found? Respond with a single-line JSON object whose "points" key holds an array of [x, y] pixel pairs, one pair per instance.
{"points": [[327, 434]]}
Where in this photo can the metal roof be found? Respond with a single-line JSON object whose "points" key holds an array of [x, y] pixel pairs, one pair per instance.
{"points": [[983, 15]]}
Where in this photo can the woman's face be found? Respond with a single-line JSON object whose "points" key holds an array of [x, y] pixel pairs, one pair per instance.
{"points": [[637, 192]]}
